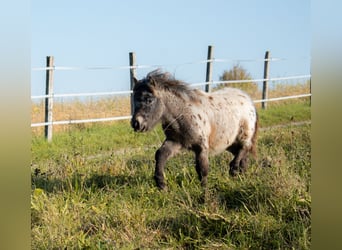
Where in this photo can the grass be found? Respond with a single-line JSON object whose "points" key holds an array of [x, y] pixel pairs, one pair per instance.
{"points": [[284, 114], [92, 188]]}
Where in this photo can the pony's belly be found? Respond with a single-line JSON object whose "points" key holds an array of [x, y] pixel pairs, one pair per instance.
{"points": [[220, 140], [218, 149]]}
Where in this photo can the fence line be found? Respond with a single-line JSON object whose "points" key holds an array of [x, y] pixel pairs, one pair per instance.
{"points": [[253, 80], [116, 118], [84, 94], [107, 119], [192, 85], [218, 60], [282, 98], [50, 95], [91, 67]]}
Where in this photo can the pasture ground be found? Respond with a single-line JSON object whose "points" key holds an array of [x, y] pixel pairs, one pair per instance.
{"points": [[93, 188]]}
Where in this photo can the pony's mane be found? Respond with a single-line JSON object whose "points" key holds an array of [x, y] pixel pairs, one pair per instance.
{"points": [[166, 82]]}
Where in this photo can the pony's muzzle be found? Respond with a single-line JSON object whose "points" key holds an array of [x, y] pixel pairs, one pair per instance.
{"points": [[138, 124]]}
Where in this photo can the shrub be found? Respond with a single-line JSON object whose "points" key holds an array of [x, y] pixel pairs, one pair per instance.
{"points": [[238, 73]]}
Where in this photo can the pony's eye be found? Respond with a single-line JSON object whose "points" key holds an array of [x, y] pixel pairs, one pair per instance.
{"points": [[149, 100]]}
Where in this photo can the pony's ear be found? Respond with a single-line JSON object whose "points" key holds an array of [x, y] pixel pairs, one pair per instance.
{"points": [[151, 81], [135, 80]]}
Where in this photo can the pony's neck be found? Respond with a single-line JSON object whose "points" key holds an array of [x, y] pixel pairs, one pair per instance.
{"points": [[174, 109]]}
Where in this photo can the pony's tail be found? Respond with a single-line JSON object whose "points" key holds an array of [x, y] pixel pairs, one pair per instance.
{"points": [[253, 149]]}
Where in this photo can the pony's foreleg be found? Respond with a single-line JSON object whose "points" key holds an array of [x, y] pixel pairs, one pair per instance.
{"points": [[202, 165], [167, 150]]}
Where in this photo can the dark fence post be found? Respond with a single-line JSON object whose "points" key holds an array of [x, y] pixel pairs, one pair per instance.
{"points": [[132, 74], [49, 99], [209, 72], [265, 82], [310, 89]]}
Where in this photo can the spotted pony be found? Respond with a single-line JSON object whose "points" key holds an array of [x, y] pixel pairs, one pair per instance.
{"points": [[205, 123]]}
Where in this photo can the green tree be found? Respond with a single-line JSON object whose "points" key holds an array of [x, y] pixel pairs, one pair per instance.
{"points": [[238, 73]]}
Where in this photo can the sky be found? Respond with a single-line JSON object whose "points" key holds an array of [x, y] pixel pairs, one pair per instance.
{"points": [[173, 35]]}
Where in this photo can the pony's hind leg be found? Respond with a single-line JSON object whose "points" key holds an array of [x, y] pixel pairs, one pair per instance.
{"points": [[239, 162], [243, 164]]}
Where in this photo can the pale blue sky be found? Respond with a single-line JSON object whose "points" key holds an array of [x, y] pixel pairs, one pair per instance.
{"points": [[101, 33]]}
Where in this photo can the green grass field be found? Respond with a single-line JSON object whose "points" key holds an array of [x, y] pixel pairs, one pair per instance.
{"points": [[93, 188]]}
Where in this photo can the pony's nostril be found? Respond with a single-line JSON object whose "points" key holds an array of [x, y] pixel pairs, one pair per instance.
{"points": [[136, 125]]}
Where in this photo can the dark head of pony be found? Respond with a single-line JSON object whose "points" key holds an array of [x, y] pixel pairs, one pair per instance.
{"points": [[147, 98]]}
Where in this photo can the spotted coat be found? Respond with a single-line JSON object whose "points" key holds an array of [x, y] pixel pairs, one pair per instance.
{"points": [[206, 123]]}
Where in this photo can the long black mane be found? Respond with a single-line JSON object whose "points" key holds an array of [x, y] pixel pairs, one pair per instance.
{"points": [[164, 81]]}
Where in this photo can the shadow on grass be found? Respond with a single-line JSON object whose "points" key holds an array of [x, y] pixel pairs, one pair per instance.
{"points": [[134, 176], [196, 229], [246, 196], [94, 182], [188, 230], [229, 226]]}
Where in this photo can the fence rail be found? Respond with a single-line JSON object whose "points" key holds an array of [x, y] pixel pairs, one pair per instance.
{"points": [[191, 85], [50, 96], [218, 60], [116, 118], [83, 94], [107, 119]]}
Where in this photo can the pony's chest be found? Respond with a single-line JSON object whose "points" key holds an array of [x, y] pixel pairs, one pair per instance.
{"points": [[187, 132]]}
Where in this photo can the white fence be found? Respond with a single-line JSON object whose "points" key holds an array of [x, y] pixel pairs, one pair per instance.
{"points": [[51, 68]]}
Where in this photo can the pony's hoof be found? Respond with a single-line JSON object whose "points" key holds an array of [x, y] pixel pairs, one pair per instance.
{"points": [[162, 186], [233, 172], [162, 189], [204, 182]]}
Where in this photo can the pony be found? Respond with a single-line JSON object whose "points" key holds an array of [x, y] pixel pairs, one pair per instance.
{"points": [[205, 123]]}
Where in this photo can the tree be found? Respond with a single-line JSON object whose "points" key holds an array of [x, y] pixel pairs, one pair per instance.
{"points": [[238, 73]]}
